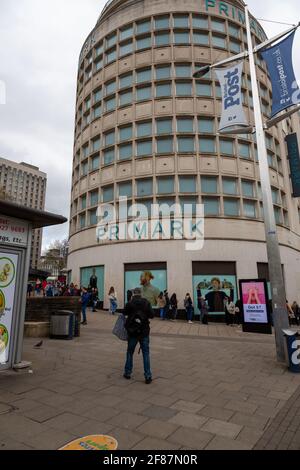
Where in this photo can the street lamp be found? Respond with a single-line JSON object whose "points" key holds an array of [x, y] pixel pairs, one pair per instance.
{"points": [[280, 317]]}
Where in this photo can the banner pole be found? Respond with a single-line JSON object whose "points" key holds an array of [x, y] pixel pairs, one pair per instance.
{"points": [[280, 316]]}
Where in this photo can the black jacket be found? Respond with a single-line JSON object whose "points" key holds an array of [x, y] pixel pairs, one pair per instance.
{"points": [[140, 304]]}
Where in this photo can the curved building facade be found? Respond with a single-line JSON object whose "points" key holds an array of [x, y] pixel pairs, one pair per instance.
{"points": [[147, 130]]}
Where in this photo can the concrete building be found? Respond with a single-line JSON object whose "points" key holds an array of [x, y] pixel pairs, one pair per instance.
{"points": [[147, 130], [26, 185]]}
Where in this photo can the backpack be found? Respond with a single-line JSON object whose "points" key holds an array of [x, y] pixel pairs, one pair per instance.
{"points": [[137, 324]]}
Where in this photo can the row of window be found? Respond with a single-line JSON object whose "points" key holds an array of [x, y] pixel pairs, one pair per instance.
{"points": [[213, 206], [157, 91], [184, 184], [159, 72], [161, 25], [164, 146]]}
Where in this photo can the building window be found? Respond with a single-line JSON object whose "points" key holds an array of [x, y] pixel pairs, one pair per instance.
{"points": [[109, 156], [181, 37], [217, 25], [97, 112], [165, 185], [111, 40], [244, 151], [207, 145], [143, 27], [188, 205], [230, 186], [231, 207], [234, 31], [163, 72], [110, 104], [144, 148], [94, 198], [218, 41], [93, 217], [125, 133], [184, 88], [126, 49], [275, 196], [162, 22], [84, 169], [165, 145], [278, 215], [108, 194], [249, 209], [226, 147], [164, 126], [111, 56], [201, 38], [211, 206], [144, 129], [143, 43], [203, 89], [125, 189], [163, 90], [200, 22], [234, 46], [95, 163], [110, 138], [181, 21], [144, 93], [144, 75], [126, 33], [125, 98], [126, 80], [248, 188], [183, 71], [83, 202], [206, 126], [187, 184], [144, 187], [185, 125], [82, 219], [186, 144], [162, 39], [125, 152], [209, 184]]}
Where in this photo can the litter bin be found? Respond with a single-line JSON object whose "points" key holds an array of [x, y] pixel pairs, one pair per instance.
{"points": [[292, 350], [62, 325]]}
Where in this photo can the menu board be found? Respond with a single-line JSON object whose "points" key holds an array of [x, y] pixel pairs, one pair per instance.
{"points": [[8, 271]]}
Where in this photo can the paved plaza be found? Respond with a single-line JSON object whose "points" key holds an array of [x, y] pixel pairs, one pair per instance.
{"points": [[214, 387]]}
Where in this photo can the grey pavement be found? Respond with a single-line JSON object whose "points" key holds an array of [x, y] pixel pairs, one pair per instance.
{"points": [[214, 387]]}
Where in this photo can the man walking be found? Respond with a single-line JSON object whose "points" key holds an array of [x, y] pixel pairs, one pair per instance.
{"points": [[85, 298], [138, 313]]}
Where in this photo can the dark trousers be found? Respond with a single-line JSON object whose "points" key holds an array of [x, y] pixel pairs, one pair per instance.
{"points": [[145, 347]]}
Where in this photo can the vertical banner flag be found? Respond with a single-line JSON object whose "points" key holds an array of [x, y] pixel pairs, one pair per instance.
{"points": [[279, 59], [232, 103], [294, 159]]}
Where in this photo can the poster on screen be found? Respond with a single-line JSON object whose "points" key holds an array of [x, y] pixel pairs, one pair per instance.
{"points": [[255, 301]]}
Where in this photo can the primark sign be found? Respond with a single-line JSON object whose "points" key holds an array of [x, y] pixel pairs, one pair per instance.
{"points": [[225, 9]]}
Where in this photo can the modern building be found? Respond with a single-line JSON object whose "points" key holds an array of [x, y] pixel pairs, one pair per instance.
{"points": [[26, 185], [147, 130]]}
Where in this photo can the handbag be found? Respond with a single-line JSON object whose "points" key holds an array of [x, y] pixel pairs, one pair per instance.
{"points": [[119, 329]]}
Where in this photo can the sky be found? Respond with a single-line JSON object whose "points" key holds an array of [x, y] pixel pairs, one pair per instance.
{"points": [[40, 42]]}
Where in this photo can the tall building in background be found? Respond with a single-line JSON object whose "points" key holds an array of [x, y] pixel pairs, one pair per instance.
{"points": [[25, 184], [147, 130]]}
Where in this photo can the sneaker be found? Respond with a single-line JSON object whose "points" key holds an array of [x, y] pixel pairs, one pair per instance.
{"points": [[190, 322], [148, 381], [84, 323], [127, 377]]}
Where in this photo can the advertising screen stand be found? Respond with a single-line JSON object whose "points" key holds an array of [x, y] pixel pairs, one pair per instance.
{"points": [[256, 310], [16, 225]]}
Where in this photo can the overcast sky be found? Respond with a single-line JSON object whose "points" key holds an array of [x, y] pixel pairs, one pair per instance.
{"points": [[40, 42]]}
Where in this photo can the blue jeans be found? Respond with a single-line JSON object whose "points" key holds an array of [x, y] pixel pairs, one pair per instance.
{"points": [[113, 306], [162, 313], [132, 343], [83, 308], [190, 312]]}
